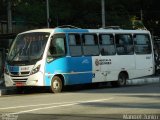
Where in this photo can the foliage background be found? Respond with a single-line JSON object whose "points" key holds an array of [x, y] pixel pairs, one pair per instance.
{"points": [[83, 13]]}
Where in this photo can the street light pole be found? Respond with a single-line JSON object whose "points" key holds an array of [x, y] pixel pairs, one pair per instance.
{"points": [[141, 15], [103, 13], [9, 14], [48, 19]]}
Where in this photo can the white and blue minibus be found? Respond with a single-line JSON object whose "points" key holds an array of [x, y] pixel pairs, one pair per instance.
{"points": [[69, 56]]}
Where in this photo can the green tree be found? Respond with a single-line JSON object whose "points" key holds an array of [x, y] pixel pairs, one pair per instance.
{"points": [[83, 13], [30, 11]]}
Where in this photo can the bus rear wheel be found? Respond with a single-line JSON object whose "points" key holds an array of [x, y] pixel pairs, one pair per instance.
{"points": [[56, 85], [121, 80]]}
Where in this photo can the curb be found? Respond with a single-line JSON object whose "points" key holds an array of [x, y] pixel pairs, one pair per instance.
{"points": [[146, 80], [7, 90]]}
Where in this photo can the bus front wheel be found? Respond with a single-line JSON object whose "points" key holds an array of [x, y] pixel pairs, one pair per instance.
{"points": [[121, 80], [56, 85]]}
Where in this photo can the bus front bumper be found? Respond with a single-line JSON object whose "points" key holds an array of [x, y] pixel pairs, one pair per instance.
{"points": [[31, 80]]}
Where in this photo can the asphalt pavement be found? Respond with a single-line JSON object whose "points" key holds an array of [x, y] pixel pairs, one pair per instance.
{"points": [[138, 102]]}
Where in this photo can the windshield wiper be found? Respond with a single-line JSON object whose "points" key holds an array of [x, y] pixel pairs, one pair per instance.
{"points": [[15, 55]]}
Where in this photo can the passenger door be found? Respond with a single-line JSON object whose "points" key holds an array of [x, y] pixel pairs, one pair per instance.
{"points": [[55, 61], [143, 55], [107, 49]]}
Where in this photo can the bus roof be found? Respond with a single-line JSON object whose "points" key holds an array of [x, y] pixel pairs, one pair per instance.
{"points": [[39, 30], [79, 30]]}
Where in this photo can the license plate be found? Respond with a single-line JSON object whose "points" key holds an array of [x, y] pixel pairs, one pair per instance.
{"points": [[19, 84]]}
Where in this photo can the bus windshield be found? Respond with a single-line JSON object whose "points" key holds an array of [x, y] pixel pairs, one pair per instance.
{"points": [[28, 47]]}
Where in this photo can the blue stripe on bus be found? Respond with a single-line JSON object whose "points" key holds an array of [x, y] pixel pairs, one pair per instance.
{"points": [[76, 70], [63, 30], [81, 67]]}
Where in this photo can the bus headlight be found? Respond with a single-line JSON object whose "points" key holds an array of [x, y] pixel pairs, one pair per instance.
{"points": [[35, 70]]}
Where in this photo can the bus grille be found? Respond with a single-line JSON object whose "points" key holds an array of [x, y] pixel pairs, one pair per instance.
{"points": [[19, 80], [19, 77], [19, 74]]}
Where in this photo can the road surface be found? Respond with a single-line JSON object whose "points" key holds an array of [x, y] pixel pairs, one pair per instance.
{"points": [[136, 102]]}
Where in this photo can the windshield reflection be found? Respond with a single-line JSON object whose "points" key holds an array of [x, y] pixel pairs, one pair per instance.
{"points": [[28, 47]]}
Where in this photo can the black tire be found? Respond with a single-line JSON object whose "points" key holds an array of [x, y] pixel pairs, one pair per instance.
{"points": [[121, 80], [56, 85]]}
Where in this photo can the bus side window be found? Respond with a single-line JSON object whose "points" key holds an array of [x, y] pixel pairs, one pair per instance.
{"points": [[142, 44], [124, 44], [90, 44], [75, 45], [107, 44], [57, 46]]}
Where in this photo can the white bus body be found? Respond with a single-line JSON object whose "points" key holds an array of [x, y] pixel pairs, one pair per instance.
{"points": [[64, 56]]}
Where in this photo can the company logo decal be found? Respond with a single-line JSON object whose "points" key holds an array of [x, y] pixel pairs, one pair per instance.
{"points": [[103, 62], [96, 62]]}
